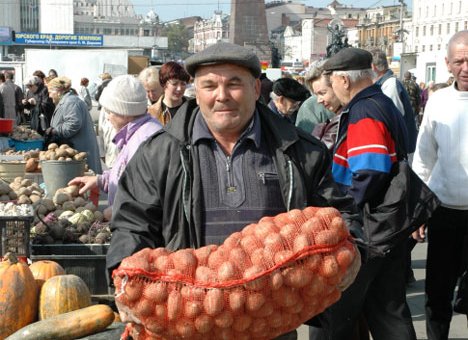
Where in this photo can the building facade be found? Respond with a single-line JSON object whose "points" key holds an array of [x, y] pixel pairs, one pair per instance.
{"points": [[210, 31], [434, 22]]}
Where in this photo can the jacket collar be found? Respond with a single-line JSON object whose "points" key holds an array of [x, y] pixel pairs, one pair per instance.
{"points": [[280, 133], [365, 93]]}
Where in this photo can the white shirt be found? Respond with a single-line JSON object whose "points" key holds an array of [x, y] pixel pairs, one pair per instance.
{"points": [[441, 156]]}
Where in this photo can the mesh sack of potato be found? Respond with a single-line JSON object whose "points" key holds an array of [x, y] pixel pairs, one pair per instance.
{"points": [[260, 283]]}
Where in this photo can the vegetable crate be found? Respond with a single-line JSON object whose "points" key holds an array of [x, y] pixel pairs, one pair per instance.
{"points": [[31, 144], [87, 261], [14, 231]]}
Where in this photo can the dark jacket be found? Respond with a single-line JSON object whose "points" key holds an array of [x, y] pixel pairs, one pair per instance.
{"points": [[44, 105], [158, 202], [366, 149]]}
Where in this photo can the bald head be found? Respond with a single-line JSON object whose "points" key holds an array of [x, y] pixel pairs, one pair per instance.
{"points": [[459, 38]]}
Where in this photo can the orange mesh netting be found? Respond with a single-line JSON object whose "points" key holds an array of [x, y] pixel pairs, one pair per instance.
{"points": [[260, 283]]}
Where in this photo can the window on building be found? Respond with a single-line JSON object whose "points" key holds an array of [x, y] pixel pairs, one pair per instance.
{"points": [[443, 9], [459, 7], [416, 49], [440, 29], [430, 72], [448, 28], [456, 27], [423, 48], [417, 31], [431, 30], [435, 11], [438, 47], [466, 25], [424, 31], [427, 11], [430, 47], [451, 8]]}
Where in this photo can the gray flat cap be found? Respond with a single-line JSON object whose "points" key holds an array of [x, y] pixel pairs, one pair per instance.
{"points": [[348, 59], [224, 53]]}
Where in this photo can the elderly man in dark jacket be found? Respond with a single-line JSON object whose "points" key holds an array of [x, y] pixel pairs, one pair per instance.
{"points": [[220, 165]]}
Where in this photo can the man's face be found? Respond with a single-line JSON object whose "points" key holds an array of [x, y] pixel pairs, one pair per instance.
{"points": [[457, 64], [287, 106], [325, 95], [339, 86], [226, 95]]}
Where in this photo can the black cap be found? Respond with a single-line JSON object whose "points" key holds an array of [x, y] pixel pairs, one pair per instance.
{"points": [[224, 53], [290, 88], [348, 59]]}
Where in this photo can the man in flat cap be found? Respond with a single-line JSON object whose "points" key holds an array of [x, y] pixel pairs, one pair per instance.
{"points": [[286, 97], [364, 155], [224, 161]]}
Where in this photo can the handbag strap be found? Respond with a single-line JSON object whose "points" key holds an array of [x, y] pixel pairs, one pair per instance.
{"points": [[400, 153]]}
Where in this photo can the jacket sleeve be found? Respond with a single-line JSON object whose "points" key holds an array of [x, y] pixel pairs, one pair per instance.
{"points": [[137, 211], [335, 197]]}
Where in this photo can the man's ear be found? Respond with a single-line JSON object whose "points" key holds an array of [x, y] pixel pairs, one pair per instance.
{"points": [[258, 88]]}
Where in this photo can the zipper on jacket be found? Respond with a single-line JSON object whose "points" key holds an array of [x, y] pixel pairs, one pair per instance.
{"points": [[186, 185], [230, 187], [266, 176], [291, 185]]}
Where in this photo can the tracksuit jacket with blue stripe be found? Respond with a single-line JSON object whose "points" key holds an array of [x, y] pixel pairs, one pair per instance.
{"points": [[366, 148]]}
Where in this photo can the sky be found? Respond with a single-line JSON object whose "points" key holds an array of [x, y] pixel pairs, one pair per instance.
{"points": [[174, 9]]}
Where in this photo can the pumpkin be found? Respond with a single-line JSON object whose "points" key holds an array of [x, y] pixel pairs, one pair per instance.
{"points": [[61, 294], [71, 325], [18, 295], [44, 270]]}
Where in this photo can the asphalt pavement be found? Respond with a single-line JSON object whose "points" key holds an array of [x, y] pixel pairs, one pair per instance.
{"points": [[415, 298]]}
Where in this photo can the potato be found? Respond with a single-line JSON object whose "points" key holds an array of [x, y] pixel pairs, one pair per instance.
{"points": [[4, 197], [34, 198], [61, 153], [31, 165], [61, 197], [71, 152], [52, 146], [26, 182], [72, 190], [174, 305], [213, 302], [23, 199], [64, 146], [80, 156], [4, 188]]}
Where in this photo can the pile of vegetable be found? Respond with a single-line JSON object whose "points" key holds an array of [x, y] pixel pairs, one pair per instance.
{"points": [[62, 302], [23, 133], [61, 153], [261, 282], [69, 218]]}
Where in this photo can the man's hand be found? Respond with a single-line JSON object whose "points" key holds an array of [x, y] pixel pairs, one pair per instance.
{"points": [[420, 234], [32, 101], [50, 131]]}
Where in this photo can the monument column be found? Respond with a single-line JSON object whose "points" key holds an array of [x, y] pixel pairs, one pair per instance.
{"points": [[248, 27]]}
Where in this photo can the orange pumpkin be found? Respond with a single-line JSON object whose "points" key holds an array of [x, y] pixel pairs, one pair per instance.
{"points": [[44, 270], [62, 294], [18, 295]]}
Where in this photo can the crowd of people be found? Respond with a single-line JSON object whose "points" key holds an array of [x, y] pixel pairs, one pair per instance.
{"points": [[192, 153]]}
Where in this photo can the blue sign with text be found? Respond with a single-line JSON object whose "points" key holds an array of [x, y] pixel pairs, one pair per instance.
{"points": [[58, 39]]}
